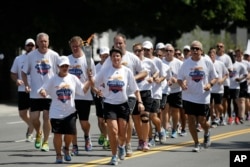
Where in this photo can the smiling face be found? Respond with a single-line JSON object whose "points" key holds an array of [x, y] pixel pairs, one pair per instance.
{"points": [[116, 59]]}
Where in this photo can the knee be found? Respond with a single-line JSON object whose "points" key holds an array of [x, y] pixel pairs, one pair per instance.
{"points": [[144, 118]]}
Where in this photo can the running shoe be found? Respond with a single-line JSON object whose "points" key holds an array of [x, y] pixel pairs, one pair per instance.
{"points": [[45, 147], [174, 134], [29, 138], [140, 145], [230, 121], [207, 141], [151, 142], [121, 152], [198, 128], [129, 150], [101, 139], [237, 121], [183, 133], [75, 150], [59, 159], [145, 147], [197, 147], [156, 137], [106, 144], [38, 141], [241, 120], [114, 160], [162, 136], [67, 157], [88, 144]]}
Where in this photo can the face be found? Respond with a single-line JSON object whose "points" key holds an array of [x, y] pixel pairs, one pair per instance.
{"points": [[169, 53], [138, 50], [238, 56], [196, 51], [160, 53], [148, 52], [116, 59], [63, 69], [75, 46], [220, 47], [212, 54], [29, 47], [43, 43], [120, 43], [103, 57]]}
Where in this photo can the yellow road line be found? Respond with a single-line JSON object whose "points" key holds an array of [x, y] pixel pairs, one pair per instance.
{"points": [[154, 150]]}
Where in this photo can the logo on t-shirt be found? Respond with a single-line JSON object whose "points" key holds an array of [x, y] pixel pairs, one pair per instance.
{"points": [[115, 84], [64, 93], [76, 70], [197, 74], [232, 73], [43, 67]]}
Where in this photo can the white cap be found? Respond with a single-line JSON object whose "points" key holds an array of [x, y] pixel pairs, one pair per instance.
{"points": [[30, 40], [247, 52], [160, 45], [63, 60], [104, 50], [186, 47], [147, 45]]}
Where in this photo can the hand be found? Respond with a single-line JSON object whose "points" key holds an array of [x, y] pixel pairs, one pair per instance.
{"points": [[43, 93], [141, 107], [27, 89], [207, 87], [19, 82]]}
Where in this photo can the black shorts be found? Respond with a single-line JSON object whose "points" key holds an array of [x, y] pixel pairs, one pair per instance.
{"points": [[216, 98], [99, 106], [131, 103], [226, 94], [243, 89], [39, 104], [83, 109], [23, 101], [64, 126], [155, 106], [147, 101], [175, 100], [196, 109], [234, 93], [163, 101], [115, 111]]}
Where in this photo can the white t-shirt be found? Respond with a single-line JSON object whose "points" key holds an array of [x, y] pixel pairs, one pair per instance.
{"points": [[129, 60], [174, 66], [40, 67], [238, 71], [197, 74], [62, 91], [221, 71], [225, 58], [151, 68], [116, 84], [78, 67], [17, 67]]}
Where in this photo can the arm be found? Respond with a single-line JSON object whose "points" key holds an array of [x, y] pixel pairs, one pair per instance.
{"points": [[25, 81], [14, 77], [140, 103]]}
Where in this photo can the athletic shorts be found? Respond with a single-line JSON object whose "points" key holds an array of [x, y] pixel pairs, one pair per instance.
{"points": [[131, 103], [83, 109], [216, 98], [163, 101], [147, 101], [115, 111], [226, 94], [243, 89], [234, 93], [196, 109], [66, 125], [23, 101], [155, 106], [99, 106], [39, 104], [175, 100]]}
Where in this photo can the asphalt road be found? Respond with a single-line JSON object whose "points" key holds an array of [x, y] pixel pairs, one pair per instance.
{"points": [[15, 152]]}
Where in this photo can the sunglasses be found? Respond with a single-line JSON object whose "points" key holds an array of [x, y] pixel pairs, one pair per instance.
{"points": [[146, 50], [195, 48], [169, 50], [29, 45], [178, 54], [219, 46], [64, 66], [138, 50]]}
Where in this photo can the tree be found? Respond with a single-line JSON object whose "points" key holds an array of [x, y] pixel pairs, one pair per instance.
{"points": [[162, 19]]}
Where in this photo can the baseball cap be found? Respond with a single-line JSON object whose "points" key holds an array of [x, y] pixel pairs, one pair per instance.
{"points": [[29, 40], [247, 52], [186, 47], [104, 50], [147, 45], [63, 60], [160, 45]]}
